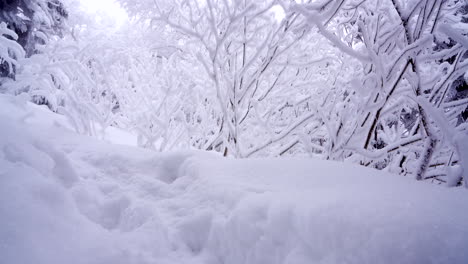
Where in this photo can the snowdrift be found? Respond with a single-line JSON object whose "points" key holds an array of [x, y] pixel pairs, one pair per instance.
{"points": [[66, 198]]}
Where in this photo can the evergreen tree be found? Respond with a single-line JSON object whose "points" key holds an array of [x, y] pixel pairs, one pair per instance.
{"points": [[33, 21]]}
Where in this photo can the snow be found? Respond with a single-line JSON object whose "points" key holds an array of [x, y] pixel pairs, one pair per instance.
{"points": [[67, 198], [452, 33]]}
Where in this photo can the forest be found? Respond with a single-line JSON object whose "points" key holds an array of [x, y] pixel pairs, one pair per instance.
{"points": [[373, 87], [378, 83]]}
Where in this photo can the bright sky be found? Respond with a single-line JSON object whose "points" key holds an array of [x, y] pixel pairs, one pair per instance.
{"points": [[107, 11]]}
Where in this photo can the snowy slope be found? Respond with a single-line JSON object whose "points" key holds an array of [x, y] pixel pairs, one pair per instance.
{"points": [[66, 198]]}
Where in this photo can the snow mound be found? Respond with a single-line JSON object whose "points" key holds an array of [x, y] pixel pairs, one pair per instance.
{"points": [[66, 198]]}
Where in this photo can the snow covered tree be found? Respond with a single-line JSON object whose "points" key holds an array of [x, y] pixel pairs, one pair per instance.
{"points": [[48, 69], [33, 20], [396, 44], [253, 66], [10, 52]]}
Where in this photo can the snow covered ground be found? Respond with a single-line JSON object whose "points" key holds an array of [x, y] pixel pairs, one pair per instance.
{"points": [[67, 198]]}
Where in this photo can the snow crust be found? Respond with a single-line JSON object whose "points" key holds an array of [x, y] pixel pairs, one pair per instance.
{"points": [[66, 198]]}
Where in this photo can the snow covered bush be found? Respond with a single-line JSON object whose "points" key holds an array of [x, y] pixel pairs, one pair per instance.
{"points": [[50, 71], [256, 73]]}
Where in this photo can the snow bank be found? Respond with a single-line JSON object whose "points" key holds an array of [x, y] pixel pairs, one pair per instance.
{"points": [[65, 198], [308, 211]]}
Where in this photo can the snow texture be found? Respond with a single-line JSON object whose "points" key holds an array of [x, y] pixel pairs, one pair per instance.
{"points": [[67, 198]]}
